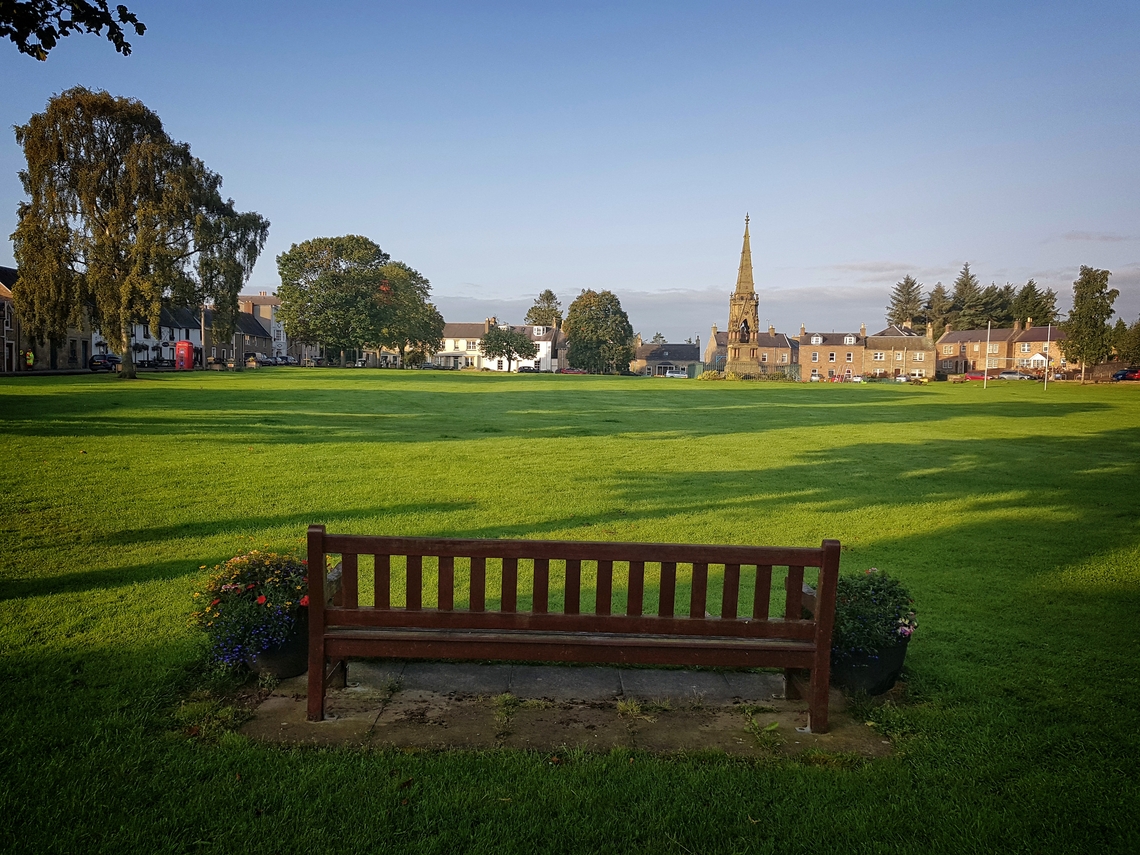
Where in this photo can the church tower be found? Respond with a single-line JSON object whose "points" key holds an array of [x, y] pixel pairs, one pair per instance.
{"points": [[743, 317]]}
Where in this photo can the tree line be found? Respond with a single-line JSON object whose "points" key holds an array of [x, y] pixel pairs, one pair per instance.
{"points": [[967, 305]]}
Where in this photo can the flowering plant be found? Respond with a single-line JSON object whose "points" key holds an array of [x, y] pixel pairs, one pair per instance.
{"points": [[873, 612], [251, 603]]}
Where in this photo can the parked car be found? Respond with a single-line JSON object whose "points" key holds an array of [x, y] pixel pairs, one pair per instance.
{"points": [[684, 375], [1016, 375], [527, 369], [572, 371], [286, 360], [428, 366], [1127, 374], [975, 375], [104, 362]]}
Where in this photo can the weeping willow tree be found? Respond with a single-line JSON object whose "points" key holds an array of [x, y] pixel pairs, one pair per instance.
{"points": [[120, 219]]}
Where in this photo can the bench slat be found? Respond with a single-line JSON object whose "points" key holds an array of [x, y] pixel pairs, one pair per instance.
{"points": [[446, 591], [763, 592], [635, 591], [382, 581], [698, 591], [541, 597], [649, 624], [604, 589], [348, 581], [478, 595], [510, 588], [795, 592], [731, 595], [573, 590], [668, 592]]}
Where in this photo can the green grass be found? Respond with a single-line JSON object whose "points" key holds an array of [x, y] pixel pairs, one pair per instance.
{"points": [[1012, 513]]}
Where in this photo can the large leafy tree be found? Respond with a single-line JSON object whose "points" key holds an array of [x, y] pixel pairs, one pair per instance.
{"points": [[601, 338], [906, 301], [413, 327], [506, 342], [36, 25], [1088, 337], [546, 311], [120, 219], [334, 291]]}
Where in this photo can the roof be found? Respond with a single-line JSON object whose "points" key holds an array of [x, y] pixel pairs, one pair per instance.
{"points": [[764, 339], [995, 334], [249, 325], [261, 299], [1054, 333], [722, 339], [834, 338], [463, 330], [671, 352], [896, 330], [8, 277]]}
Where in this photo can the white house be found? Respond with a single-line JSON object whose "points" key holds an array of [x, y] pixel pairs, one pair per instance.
{"points": [[461, 347]]}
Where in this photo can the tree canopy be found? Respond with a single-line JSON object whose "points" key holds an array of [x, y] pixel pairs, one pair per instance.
{"points": [[35, 26], [1126, 341], [414, 326], [906, 301], [546, 311], [1088, 337], [506, 342], [938, 310], [1031, 304], [120, 219], [601, 338], [334, 291]]}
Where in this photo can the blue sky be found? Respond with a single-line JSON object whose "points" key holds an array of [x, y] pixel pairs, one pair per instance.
{"points": [[502, 149]]}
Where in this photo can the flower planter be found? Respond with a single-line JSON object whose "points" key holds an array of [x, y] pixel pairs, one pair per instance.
{"points": [[873, 675], [288, 659]]}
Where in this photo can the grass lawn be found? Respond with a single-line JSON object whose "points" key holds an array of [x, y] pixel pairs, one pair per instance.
{"points": [[1012, 513]]}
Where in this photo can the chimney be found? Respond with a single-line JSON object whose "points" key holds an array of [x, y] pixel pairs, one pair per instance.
{"points": [[486, 326], [714, 331], [803, 330], [637, 341], [1029, 323], [946, 328], [262, 293], [1017, 324], [771, 330], [863, 330]]}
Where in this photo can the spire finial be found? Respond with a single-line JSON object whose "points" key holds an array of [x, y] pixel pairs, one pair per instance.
{"points": [[746, 219]]}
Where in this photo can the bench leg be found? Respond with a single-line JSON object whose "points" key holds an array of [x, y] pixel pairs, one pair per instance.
{"points": [[316, 697]]}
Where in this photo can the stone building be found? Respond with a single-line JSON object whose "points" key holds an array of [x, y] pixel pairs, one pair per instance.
{"points": [[898, 351], [831, 356]]}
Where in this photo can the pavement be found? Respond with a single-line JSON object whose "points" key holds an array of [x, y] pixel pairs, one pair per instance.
{"points": [[554, 708]]}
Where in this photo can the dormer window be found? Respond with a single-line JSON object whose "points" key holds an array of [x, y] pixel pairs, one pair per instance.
{"points": [[540, 330], [848, 339], [817, 339]]}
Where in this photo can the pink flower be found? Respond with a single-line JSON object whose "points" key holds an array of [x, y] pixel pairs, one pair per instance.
{"points": [[305, 600]]}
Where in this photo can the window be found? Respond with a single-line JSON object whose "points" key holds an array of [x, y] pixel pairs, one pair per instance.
{"points": [[898, 356], [499, 364], [784, 357], [991, 362], [815, 356], [948, 349], [7, 317], [991, 348], [919, 356], [977, 347], [146, 332], [817, 339], [879, 356], [1045, 347], [763, 357], [848, 339], [276, 334], [831, 356], [1026, 347], [1024, 363], [213, 353], [850, 356]]}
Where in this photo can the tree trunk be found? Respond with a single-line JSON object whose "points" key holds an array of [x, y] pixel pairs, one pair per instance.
{"points": [[127, 369]]}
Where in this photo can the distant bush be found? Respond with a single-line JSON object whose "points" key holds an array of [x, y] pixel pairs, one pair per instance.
{"points": [[712, 375], [732, 375]]}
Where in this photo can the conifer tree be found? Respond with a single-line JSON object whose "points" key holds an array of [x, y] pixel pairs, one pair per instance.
{"points": [[546, 311], [938, 310], [906, 301]]}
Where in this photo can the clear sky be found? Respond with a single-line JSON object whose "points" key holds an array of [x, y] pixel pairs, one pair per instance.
{"points": [[502, 149]]}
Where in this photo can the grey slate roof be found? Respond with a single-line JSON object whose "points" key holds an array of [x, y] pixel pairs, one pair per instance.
{"points": [[672, 352]]}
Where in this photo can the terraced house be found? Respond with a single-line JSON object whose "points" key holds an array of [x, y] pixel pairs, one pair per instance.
{"points": [[899, 351], [825, 356]]}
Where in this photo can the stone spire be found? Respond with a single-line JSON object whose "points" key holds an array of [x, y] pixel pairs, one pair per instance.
{"points": [[744, 283]]}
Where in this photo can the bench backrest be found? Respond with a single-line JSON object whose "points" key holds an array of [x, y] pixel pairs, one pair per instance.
{"points": [[551, 573]]}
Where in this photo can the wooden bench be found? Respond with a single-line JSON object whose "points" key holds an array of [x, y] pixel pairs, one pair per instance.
{"points": [[534, 623]]}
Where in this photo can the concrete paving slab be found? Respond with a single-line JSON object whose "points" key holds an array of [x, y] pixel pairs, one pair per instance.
{"points": [[375, 674], [563, 683], [564, 726], [458, 678], [754, 687], [282, 718], [679, 687]]}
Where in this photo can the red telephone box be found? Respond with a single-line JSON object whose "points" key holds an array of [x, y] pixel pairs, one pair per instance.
{"points": [[184, 356]]}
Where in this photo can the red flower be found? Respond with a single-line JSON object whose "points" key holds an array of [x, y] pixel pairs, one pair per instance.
{"points": [[261, 600], [305, 600], [215, 602], [250, 586]]}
